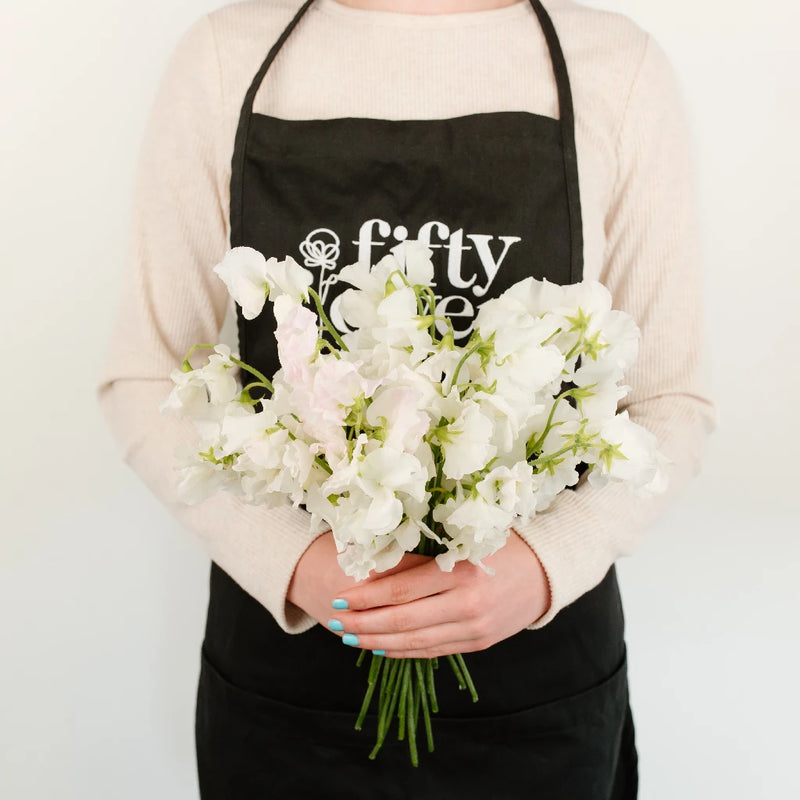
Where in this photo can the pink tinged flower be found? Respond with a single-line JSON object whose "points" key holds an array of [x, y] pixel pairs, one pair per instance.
{"points": [[297, 337]]}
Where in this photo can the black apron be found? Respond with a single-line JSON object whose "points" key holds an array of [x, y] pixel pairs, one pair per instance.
{"points": [[495, 195]]}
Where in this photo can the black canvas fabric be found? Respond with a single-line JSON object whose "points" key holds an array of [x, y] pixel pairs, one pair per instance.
{"points": [[496, 197]]}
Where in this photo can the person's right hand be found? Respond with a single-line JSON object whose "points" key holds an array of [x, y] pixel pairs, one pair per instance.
{"points": [[318, 579]]}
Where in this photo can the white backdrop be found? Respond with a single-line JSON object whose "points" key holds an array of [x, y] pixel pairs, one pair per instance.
{"points": [[102, 596]]}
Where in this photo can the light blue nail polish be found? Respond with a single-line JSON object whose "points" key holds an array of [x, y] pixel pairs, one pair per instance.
{"points": [[351, 639], [379, 652], [340, 604], [335, 625]]}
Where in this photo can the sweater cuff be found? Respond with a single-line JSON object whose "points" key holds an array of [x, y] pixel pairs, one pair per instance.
{"points": [[261, 555], [572, 548]]}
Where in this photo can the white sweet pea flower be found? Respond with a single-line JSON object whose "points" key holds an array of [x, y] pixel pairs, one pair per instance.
{"points": [[395, 410], [240, 427], [438, 368], [200, 392], [466, 442], [203, 478], [536, 297], [220, 376], [476, 529], [553, 473], [359, 309], [395, 470], [589, 298], [382, 552], [509, 421], [288, 278], [189, 396], [526, 369], [372, 281], [414, 258], [250, 278], [244, 272], [396, 325], [628, 452], [510, 488], [616, 338]]}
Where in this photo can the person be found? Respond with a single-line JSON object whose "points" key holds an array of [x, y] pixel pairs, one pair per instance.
{"points": [[514, 138]]}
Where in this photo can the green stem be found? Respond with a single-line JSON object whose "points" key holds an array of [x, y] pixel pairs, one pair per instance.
{"points": [[253, 371], [386, 713], [320, 461], [467, 677], [186, 366], [532, 448], [551, 336], [401, 712], [374, 671], [423, 695], [389, 699], [575, 349], [457, 672], [473, 349], [431, 685], [326, 323], [570, 448], [411, 721]]}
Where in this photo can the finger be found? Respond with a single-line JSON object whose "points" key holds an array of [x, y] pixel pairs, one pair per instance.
{"points": [[423, 613], [440, 651], [401, 587], [445, 639]]}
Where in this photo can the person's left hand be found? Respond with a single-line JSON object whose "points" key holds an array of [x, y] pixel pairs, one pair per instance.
{"points": [[422, 612]]}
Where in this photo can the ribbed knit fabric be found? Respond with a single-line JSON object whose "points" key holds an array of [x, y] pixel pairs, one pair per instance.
{"points": [[638, 215]]}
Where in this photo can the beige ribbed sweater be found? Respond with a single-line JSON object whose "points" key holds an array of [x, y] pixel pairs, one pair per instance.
{"points": [[638, 216]]}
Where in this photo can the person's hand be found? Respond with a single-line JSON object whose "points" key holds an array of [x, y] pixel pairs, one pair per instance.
{"points": [[318, 579], [418, 611]]}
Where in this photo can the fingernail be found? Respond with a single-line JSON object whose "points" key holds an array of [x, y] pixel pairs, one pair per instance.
{"points": [[340, 604], [335, 625], [379, 652], [351, 639]]}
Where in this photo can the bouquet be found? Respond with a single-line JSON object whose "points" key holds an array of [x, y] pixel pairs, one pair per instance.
{"points": [[398, 438]]}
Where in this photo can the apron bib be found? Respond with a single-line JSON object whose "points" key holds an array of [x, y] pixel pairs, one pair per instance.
{"points": [[495, 196]]}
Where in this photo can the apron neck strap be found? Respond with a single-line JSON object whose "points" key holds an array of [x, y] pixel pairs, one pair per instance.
{"points": [[566, 114], [565, 111]]}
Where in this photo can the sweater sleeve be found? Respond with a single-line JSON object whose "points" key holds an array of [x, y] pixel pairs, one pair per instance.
{"points": [[652, 270], [172, 300]]}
